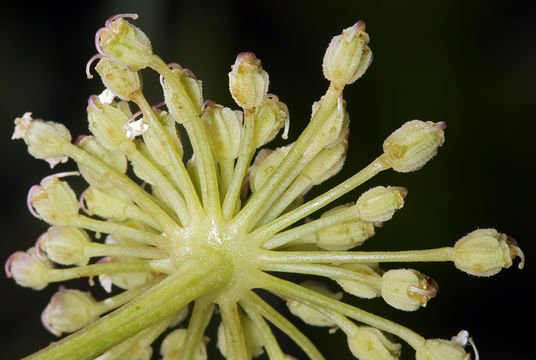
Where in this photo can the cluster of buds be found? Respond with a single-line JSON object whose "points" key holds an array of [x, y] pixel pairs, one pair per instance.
{"points": [[173, 240]]}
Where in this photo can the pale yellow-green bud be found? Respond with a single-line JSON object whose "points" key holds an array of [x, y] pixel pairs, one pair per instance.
{"points": [[308, 314], [407, 289], [348, 55], [45, 139], [254, 342], [68, 311], [438, 349], [65, 245], [362, 289], [107, 122], [54, 201], [177, 104], [413, 144], [270, 117], [173, 344], [484, 252], [265, 164], [224, 129], [380, 203], [248, 82], [327, 163], [122, 82], [115, 159], [368, 343], [154, 142], [123, 280], [28, 269], [108, 204], [125, 43]]}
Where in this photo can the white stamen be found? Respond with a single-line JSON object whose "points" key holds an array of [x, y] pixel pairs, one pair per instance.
{"points": [[106, 97], [427, 293], [286, 129]]}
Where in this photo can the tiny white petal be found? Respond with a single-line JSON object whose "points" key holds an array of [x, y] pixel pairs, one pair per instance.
{"points": [[106, 97], [55, 160], [21, 125], [136, 128]]}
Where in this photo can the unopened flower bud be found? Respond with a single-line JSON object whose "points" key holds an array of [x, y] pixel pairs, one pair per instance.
{"points": [[45, 139], [265, 164], [68, 311], [114, 159], [123, 280], [107, 204], [380, 203], [118, 78], [248, 82], [176, 102], [173, 344], [125, 43], [65, 245], [308, 314], [326, 164], [484, 252], [224, 128], [368, 343], [348, 55], [333, 129], [413, 144], [270, 117], [154, 142], [254, 342], [54, 201], [407, 289], [438, 349], [106, 123], [28, 269], [362, 289]]}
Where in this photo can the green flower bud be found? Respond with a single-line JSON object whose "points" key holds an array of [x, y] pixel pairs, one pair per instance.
{"points": [[45, 139], [348, 55], [115, 159], [254, 342], [106, 123], [248, 82], [176, 103], [308, 314], [28, 269], [107, 204], [123, 280], [380, 203], [484, 252], [224, 129], [413, 145], [65, 245], [368, 343], [68, 311], [407, 289], [124, 42], [155, 143], [123, 82], [270, 117], [265, 164], [54, 201], [362, 289], [173, 344], [326, 164], [438, 349]]}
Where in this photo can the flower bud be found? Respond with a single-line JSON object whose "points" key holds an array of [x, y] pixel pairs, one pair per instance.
{"points": [[484, 252], [54, 201], [123, 82], [308, 314], [28, 269], [224, 129], [265, 164], [363, 289], [248, 82], [270, 117], [380, 203], [155, 146], [348, 55], [44, 139], [173, 344], [106, 123], [413, 144], [107, 204], [407, 289], [123, 280], [254, 342], [65, 245], [125, 43], [368, 343], [438, 349], [326, 164], [68, 311], [114, 159], [176, 102]]}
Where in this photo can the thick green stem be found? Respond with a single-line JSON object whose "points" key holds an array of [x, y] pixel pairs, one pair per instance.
{"points": [[166, 297]]}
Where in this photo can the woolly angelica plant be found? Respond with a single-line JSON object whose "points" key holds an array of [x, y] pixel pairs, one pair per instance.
{"points": [[178, 243]]}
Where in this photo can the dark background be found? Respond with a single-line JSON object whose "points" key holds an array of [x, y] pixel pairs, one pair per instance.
{"points": [[471, 64]]}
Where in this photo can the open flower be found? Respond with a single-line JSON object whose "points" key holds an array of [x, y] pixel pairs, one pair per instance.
{"points": [[205, 233]]}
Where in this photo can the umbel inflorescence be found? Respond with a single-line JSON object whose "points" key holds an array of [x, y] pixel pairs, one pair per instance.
{"points": [[182, 243]]}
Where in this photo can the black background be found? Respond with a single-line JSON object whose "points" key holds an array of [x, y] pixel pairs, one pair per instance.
{"points": [[471, 64]]}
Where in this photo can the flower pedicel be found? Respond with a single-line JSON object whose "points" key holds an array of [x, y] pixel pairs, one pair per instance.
{"points": [[186, 242]]}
